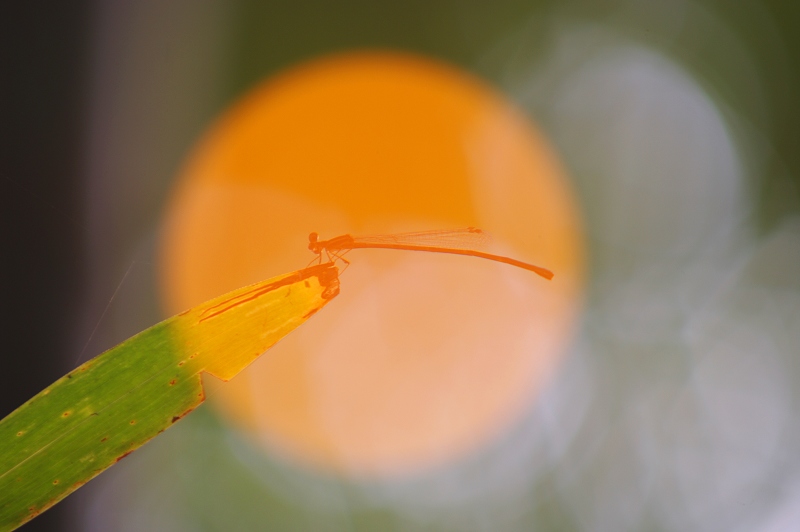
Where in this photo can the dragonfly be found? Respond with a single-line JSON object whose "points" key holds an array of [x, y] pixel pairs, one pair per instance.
{"points": [[455, 242]]}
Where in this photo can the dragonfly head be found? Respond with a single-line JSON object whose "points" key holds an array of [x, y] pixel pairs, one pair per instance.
{"points": [[313, 242]]}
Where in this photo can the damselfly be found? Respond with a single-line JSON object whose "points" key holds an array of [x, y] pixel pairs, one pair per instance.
{"points": [[456, 242]]}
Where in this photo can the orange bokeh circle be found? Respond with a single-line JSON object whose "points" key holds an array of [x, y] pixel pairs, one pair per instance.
{"points": [[421, 358]]}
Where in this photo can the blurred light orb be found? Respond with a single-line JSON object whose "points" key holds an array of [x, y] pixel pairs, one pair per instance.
{"points": [[422, 358]]}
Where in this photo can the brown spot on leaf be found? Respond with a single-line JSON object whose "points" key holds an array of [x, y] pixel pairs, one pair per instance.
{"points": [[181, 416], [66, 414], [330, 280], [20, 433], [123, 455], [172, 382], [55, 482], [182, 362], [133, 422], [104, 438]]}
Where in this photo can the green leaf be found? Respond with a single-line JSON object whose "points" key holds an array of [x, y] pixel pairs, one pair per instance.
{"points": [[105, 409]]}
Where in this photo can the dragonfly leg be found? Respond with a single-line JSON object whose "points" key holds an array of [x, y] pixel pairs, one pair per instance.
{"points": [[340, 256], [346, 263], [317, 259]]}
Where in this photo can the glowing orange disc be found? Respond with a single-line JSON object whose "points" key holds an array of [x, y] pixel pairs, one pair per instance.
{"points": [[422, 357]]}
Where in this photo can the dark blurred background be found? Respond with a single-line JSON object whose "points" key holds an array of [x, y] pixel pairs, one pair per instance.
{"points": [[53, 293], [45, 99]]}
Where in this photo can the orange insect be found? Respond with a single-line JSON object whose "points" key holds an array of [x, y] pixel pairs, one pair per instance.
{"points": [[456, 242]]}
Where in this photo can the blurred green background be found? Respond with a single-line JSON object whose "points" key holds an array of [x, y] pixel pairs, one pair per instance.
{"points": [[679, 122]]}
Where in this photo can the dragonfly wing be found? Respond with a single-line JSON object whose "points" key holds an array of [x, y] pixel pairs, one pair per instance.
{"points": [[465, 238]]}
